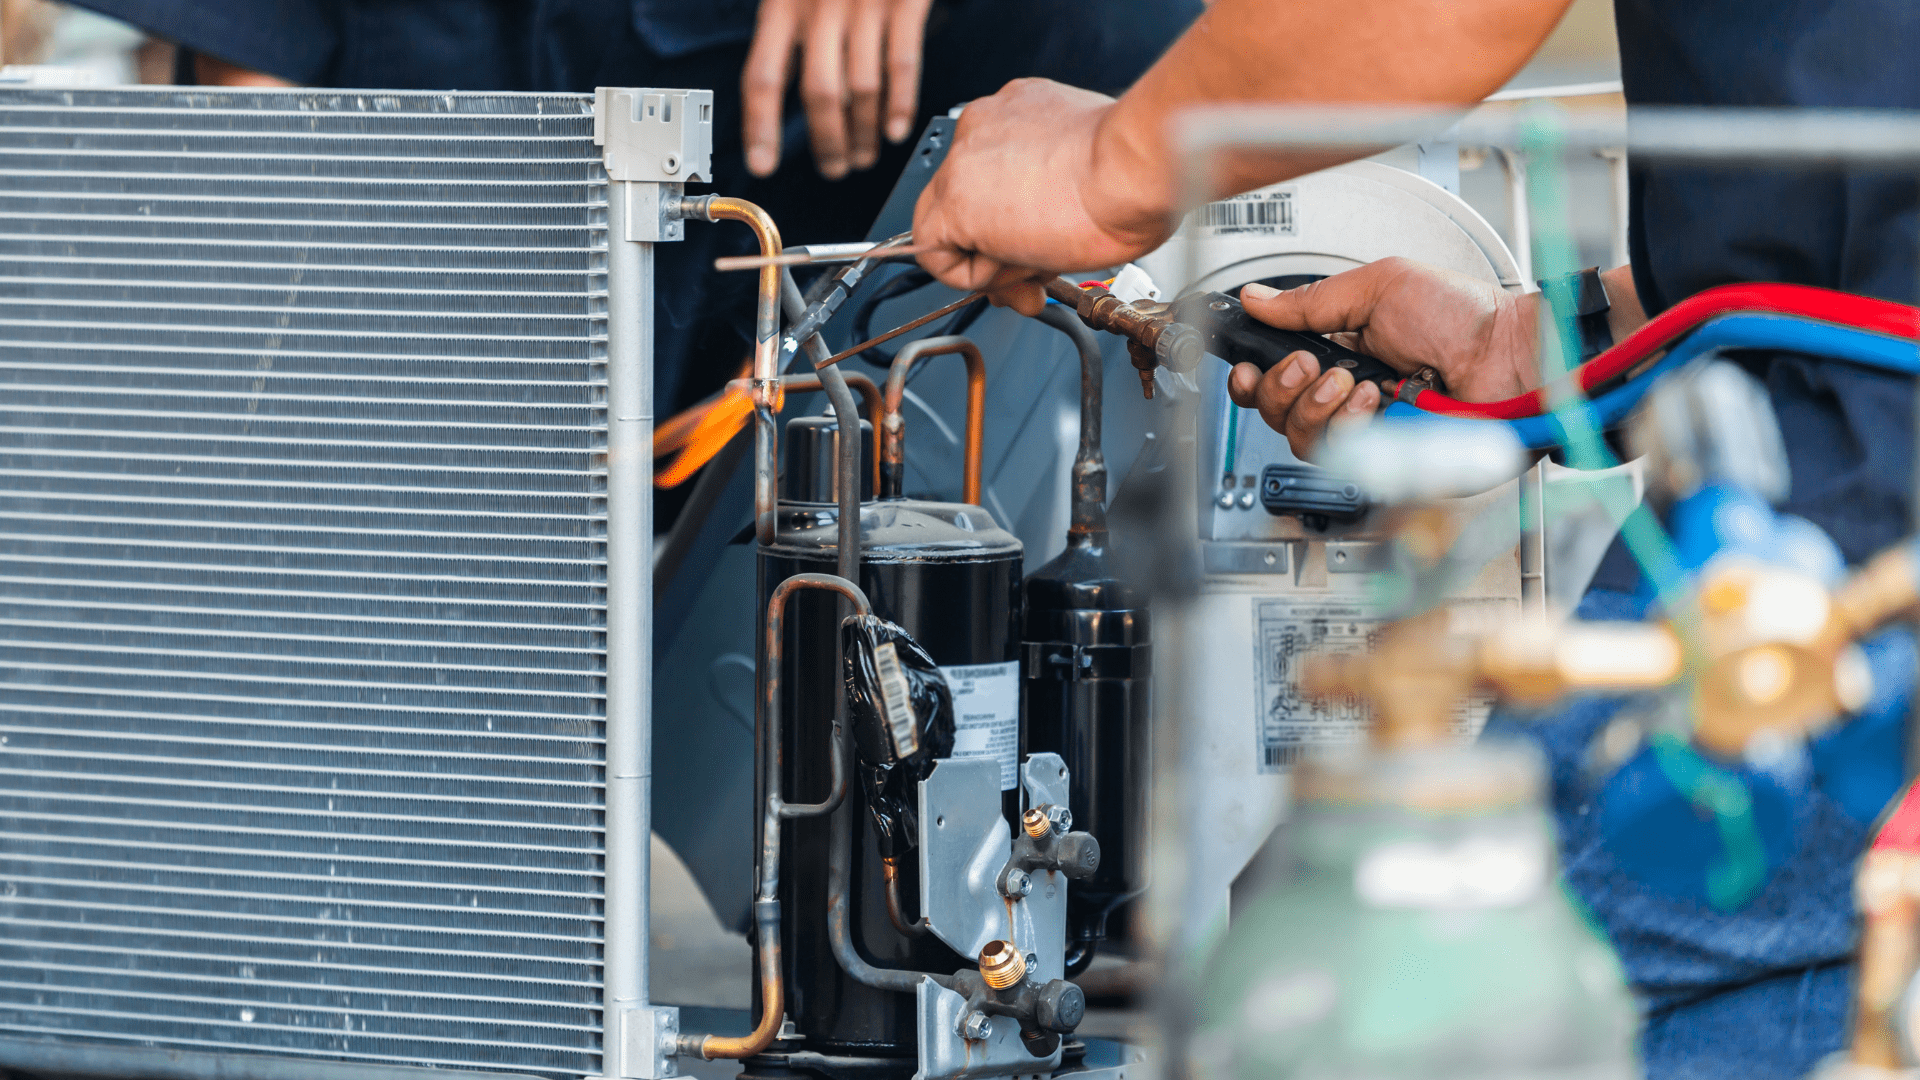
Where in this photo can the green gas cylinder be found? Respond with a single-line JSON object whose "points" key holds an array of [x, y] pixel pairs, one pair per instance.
{"points": [[1416, 928]]}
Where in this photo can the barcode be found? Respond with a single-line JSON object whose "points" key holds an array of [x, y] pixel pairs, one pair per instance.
{"points": [[1284, 755], [1263, 213], [896, 700]]}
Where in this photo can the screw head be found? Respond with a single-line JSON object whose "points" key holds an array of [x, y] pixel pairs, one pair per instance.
{"points": [[976, 1025], [1226, 500], [1246, 500], [1061, 818]]}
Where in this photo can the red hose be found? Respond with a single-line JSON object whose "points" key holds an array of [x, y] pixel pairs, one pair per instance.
{"points": [[1804, 301]]}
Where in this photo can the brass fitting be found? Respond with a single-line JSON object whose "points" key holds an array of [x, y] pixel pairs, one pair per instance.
{"points": [[1001, 965], [1153, 337], [1035, 822]]}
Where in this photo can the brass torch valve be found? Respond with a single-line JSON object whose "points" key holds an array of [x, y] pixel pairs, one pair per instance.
{"points": [[1153, 337], [1780, 649]]}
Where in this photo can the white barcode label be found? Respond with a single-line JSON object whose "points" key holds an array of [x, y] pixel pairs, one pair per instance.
{"points": [[1264, 213], [896, 698]]}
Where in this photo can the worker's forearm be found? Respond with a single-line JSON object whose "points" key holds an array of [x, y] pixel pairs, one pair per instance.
{"points": [[1446, 52]]}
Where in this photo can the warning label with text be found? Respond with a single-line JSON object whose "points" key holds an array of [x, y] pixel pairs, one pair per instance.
{"points": [[1288, 726]]}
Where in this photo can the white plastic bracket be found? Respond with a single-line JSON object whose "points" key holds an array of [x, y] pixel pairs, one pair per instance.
{"points": [[655, 136]]}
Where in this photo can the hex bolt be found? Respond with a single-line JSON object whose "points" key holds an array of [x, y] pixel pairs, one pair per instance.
{"points": [[1060, 818], [1017, 885], [976, 1026]]}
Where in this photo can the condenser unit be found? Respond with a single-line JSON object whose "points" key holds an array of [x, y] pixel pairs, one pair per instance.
{"points": [[323, 575]]}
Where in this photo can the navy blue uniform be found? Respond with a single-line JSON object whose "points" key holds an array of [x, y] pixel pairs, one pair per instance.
{"points": [[973, 47], [1763, 991]]}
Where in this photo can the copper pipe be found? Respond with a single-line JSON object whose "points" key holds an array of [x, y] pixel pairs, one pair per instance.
{"points": [[890, 869], [1088, 521], [869, 392], [766, 904], [766, 351], [846, 466], [893, 446]]}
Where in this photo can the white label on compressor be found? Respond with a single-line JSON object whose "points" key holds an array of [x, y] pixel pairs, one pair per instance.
{"points": [[1257, 213], [1288, 726], [986, 715]]}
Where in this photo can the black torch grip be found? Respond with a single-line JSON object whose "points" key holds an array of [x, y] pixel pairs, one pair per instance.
{"points": [[1228, 332]]}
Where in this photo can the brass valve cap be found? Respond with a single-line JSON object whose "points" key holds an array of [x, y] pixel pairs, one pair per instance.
{"points": [[1001, 965], [1036, 823]]}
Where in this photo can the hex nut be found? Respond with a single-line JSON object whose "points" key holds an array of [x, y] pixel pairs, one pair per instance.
{"points": [[1018, 883], [977, 1025]]}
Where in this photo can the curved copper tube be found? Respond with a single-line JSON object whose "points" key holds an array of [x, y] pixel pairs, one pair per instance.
{"points": [[869, 392], [893, 447], [766, 904], [890, 869], [766, 351]]}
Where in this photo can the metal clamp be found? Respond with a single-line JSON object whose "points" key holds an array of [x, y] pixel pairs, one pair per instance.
{"points": [[1061, 660], [642, 1042]]}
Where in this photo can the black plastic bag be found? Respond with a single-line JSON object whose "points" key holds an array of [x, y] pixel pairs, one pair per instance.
{"points": [[901, 712]]}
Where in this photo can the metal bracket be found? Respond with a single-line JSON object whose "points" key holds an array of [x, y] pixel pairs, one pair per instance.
{"points": [[1359, 556], [944, 1055], [964, 843], [1226, 557], [642, 1037], [1044, 778], [655, 136]]}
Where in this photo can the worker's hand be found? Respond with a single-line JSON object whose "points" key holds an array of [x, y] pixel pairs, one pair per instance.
{"points": [[213, 71], [1030, 189], [859, 66], [1479, 337]]}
